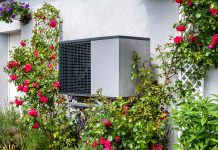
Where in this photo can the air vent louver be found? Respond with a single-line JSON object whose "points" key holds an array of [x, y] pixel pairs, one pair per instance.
{"points": [[75, 67]]}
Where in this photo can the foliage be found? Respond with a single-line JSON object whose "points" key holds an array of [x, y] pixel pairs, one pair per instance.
{"points": [[197, 121], [33, 69], [137, 122], [12, 9], [14, 135]]}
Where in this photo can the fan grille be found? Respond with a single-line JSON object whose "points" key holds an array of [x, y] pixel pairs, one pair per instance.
{"points": [[75, 68]]}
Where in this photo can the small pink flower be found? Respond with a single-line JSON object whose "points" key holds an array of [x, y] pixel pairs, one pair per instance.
{"points": [[35, 84], [13, 77], [94, 144], [178, 39], [215, 39], [180, 28], [53, 23], [39, 93], [211, 46], [35, 53], [50, 66], [12, 64], [102, 141], [22, 43], [18, 102], [107, 144], [28, 67], [20, 88], [25, 89], [36, 125], [57, 84], [43, 99], [26, 82], [32, 113]]}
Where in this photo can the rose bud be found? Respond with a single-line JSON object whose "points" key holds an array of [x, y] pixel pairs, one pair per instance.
{"points": [[26, 82], [20, 88], [28, 67], [18, 102], [57, 84], [36, 125], [178, 39], [25, 89], [13, 77], [117, 139], [180, 28], [51, 47], [32, 113], [22, 43], [53, 23]]}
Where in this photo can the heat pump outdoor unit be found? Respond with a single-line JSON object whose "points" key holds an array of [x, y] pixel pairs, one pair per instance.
{"points": [[87, 65]]}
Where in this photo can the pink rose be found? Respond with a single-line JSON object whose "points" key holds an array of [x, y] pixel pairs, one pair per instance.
{"points": [[12, 64], [50, 66], [39, 93], [25, 89], [52, 23], [117, 139], [107, 124], [107, 144], [26, 82], [35, 84], [213, 11], [215, 39], [57, 84], [43, 99], [22, 43], [36, 125], [28, 67], [13, 77], [35, 53], [52, 56], [189, 2], [94, 144], [102, 141], [18, 102], [51, 47], [180, 1], [20, 88], [178, 39], [32, 113], [180, 28]]}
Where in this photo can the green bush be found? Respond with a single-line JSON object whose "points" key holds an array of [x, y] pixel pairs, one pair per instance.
{"points": [[197, 122]]}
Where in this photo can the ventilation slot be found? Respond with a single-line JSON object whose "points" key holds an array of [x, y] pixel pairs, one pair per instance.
{"points": [[75, 68]]}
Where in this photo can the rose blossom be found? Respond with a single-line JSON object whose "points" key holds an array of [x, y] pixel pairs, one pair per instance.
{"points": [[43, 99], [12, 64], [26, 82], [107, 144], [28, 67], [52, 56], [192, 38], [213, 11], [35, 53], [52, 47], [53, 23], [178, 39], [25, 89], [13, 77], [180, 28], [35, 84], [57, 84], [39, 93], [102, 141], [94, 144], [189, 2], [215, 39], [107, 124], [32, 113], [180, 1], [117, 139], [36, 125], [20, 88], [22, 43], [18, 102]]}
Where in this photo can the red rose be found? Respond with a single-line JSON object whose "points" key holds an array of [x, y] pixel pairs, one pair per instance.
{"points": [[18, 102], [178, 39], [53, 23], [43, 99], [39, 93], [213, 11], [164, 114], [35, 84], [215, 39], [20, 88], [52, 47], [193, 39], [35, 53], [26, 82], [25, 89], [107, 143], [22, 43], [57, 84], [12, 64], [180, 1], [94, 144], [36, 125], [32, 113], [13, 77], [157, 147], [107, 124], [180, 28], [117, 139], [28, 67], [102, 141], [52, 56], [189, 2]]}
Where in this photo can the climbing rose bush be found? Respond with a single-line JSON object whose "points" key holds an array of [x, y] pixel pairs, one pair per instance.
{"points": [[33, 69]]}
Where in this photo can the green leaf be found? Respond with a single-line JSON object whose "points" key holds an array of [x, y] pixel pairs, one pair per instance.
{"points": [[203, 121]]}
